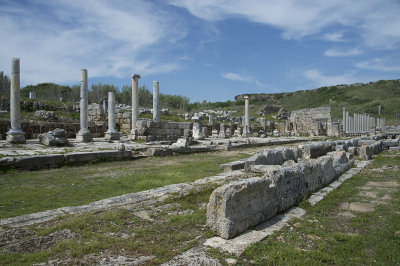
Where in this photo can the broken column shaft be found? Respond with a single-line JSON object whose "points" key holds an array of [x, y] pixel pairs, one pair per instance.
{"points": [[112, 133], [135, 104], [84, 134]]}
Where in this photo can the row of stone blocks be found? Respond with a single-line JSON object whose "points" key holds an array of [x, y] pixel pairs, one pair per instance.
{"points": [[57, 160], [288, 175]]}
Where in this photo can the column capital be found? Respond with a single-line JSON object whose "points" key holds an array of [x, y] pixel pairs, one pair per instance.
{"points": [[135, 76]]}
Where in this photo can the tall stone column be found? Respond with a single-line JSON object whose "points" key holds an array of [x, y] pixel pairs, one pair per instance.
{"points": [[84, 134], [355, 123], [246, 131], [135, 104], [111, 133], [383, 125], [15, 134], [344, 122], [156, 110]]}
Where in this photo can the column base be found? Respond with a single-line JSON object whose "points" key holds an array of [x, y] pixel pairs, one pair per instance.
{"points": [[111, 135], [16, 137], [133, 135], [84, 136]]}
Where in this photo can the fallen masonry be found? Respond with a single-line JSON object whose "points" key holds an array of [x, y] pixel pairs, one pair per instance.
{"points": [[281, 178]]}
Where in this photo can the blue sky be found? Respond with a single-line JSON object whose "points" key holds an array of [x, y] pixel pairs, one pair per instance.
{"points": [[206, 50]]}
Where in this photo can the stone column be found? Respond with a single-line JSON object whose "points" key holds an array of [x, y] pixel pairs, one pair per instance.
{"points": [[135, 104], [246, 131], [198, 130], [383, 124], [84, 134], [156, 110], [355, 123], [222, 134], [211, 120], [32, 95], [15, 134], [112, 133], [344, 122]]}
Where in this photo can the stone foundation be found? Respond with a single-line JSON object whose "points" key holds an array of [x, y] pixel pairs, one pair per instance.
{"points": [[238, 205]]}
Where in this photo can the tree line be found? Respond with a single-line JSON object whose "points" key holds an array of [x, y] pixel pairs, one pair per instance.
{"points": [[97, 92]]}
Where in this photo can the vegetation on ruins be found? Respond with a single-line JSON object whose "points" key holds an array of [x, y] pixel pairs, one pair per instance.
{"points": [[357, 98], [98, 92]]}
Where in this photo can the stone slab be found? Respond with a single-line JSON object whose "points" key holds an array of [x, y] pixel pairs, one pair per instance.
{"points": [[236, 246]]}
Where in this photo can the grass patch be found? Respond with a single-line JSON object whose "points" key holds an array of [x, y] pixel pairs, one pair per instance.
{"points": [[165, 237], [23, 192]]}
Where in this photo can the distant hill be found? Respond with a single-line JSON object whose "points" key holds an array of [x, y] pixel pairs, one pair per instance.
{"points": [[357, 97]]}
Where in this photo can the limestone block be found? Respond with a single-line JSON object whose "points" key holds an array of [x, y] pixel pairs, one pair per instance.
{"points": [[258, 158], [57, 137], [315, 149], [366, 142], [236, 206], [80, 157], [232, 166], [39, 161], [313, 175], [353, 150], [340, 163], [390, 143], [328, 172], [367, 151], [182, 143], [290, 185], [159, 152]]}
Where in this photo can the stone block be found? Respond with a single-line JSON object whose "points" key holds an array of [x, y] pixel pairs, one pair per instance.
{"points": [[313, 150], [390, 143], [236, 206], [39, 161], [80, 157], [237, 165], [159, 152], [290, 185]]}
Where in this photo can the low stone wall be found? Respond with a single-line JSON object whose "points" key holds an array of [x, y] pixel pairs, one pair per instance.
{"points": [[236, 206], [151, 131], [33, 129], [57, 160]]}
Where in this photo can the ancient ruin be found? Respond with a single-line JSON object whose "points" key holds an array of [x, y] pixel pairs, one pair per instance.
{"points": [[84, 134], [15, 134]]}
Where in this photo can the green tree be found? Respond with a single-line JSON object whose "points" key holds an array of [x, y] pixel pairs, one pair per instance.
{"points": [[4, 84]]}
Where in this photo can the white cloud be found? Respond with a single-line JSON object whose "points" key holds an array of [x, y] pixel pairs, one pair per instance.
{"points": [[236, 77], [335, 52], [333, 36], [55, 39], [376, 22], [325, 80], [379, 64], [239, 77]]}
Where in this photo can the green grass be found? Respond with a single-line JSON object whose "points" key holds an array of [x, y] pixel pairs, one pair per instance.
{"points": [[164, 237], [325, 237], [357, 98], [23, 192]]}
